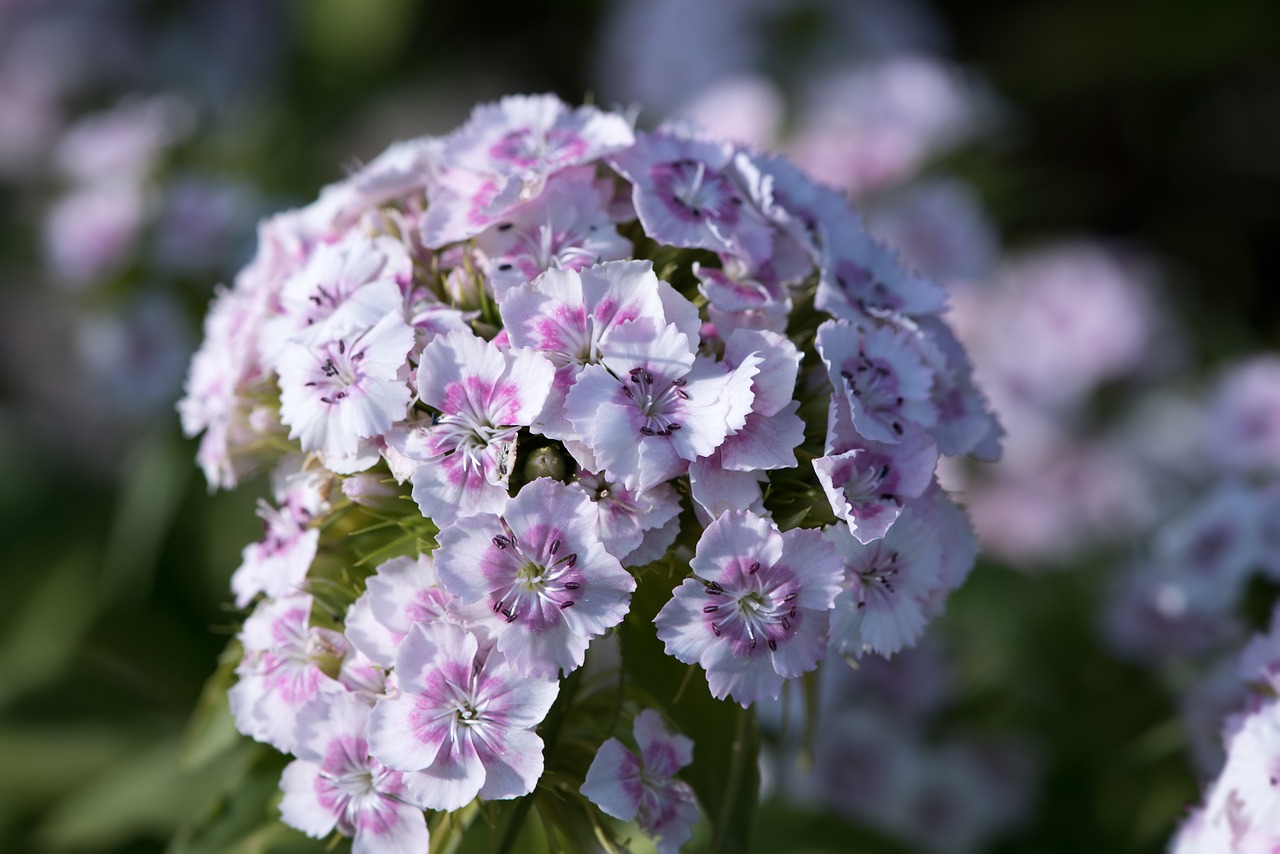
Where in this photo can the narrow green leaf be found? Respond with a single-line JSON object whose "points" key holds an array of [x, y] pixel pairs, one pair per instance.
{"points": [[145, 795], [157, 473], [45, 634], [211, 731]]}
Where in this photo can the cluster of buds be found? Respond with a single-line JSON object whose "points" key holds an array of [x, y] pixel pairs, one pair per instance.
{"points": [[508, 380]]}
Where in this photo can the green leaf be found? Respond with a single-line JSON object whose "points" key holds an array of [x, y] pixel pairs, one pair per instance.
{"points": [[724, 773], [157, 474], [46, 632], [242, 816], [44, 763], [144, 795], [212, 730]]}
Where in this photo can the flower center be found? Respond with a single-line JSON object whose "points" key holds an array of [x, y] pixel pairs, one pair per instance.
{"points": [[875, 386], [544, 579], [338, 372], [694, 190], [658, 404], [762, 609], [868, 485], [881, 571]]}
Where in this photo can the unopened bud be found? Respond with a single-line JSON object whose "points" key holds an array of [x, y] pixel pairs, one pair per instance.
{"points": [[544, 462], [375, 491]]}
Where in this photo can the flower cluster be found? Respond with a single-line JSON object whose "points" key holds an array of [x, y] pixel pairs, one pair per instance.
{"points": [[499, 373]]}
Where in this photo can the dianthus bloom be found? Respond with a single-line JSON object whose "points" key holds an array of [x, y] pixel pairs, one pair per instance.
{"points": [[334, 782], [462, 721], [507, 378], [644, 788], [542, 574], [756, 613]]}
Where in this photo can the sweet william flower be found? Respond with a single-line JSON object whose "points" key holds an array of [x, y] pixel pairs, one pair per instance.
{"points": [[503, 156], [277, 565], [287, 662], [483, 396], [883, 607], [644, 788], [756, 612], [730, 477], [479, 319], [402, 591], [462, 721], [335, 783], [882, 374], [568, 316], [542, 573], [1241, 811], [334, 394], [342, 290], [627, 517], [687, 193], [651, 408], [868, 485], [567, 227]]}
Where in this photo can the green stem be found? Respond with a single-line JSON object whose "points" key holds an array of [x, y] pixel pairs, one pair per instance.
{"points": [[513, 826], [550, 734], [733, 780]]}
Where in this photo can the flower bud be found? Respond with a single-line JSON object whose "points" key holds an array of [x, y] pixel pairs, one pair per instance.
{"points": [[544, 462]]}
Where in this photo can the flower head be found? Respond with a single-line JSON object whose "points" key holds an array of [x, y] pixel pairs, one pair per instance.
{"points": [[756, 612], [543, 574], [644, 788], [483, 396], [334, 782], [462, 721]]}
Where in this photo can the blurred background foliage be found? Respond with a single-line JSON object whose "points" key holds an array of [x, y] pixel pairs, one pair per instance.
{"points": [[1144, 124]]}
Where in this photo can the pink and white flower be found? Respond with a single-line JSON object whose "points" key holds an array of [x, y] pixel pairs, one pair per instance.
{"points": [[649, 410], [286, 663], [344, 289], [869, 484], [462, 721], [627, 518], [885, 601], [644, 788], [338, 392], [277, 565], [503, 156], [567, 227], [729, 477], [882, 374], [539, 567], [568, 317], [755, 615], [1241, 811], [688, 194], [483, 396], [402, 592], [335, 783]]}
